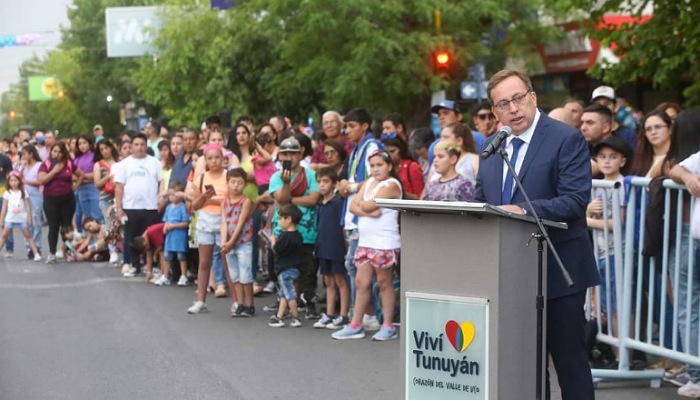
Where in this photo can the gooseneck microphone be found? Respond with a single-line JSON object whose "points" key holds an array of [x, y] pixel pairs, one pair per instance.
{"points": [[501, 135]]}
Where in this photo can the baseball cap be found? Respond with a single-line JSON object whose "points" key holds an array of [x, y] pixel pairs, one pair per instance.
{"points": [[96, 127], [40, 139], [290, 145], [615, 143], [603, 91], [447, 104]]}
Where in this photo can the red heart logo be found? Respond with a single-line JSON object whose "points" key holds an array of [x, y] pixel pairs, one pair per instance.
{"points": [[451, 329]]}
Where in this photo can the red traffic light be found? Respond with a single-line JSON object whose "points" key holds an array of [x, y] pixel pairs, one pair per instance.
{"points": [[443, 59]]}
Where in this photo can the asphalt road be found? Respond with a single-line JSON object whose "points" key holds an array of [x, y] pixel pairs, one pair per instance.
{"points": [[81, 331]]}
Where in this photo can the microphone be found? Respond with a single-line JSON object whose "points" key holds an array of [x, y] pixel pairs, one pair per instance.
{"points": [[501, 135]]}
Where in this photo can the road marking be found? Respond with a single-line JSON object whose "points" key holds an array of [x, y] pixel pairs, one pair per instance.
{"points": [[43, 286]]}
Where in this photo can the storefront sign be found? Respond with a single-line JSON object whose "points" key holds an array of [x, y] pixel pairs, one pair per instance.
{"points": [[446, 347]]}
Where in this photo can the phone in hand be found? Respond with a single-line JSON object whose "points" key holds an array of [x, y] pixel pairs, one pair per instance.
{"points": [[287, 165], [209, 188]]}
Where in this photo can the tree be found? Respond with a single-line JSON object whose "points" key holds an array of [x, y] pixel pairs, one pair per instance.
{"points": [[663, 49], [267, 57]]}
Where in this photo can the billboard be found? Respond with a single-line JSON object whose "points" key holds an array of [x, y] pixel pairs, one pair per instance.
{"points": [[128, 30], [43, 88]]}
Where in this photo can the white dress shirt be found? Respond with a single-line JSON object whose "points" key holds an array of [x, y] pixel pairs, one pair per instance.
{"points": [[526, 137]]}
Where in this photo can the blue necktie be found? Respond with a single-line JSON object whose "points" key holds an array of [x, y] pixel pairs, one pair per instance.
{"points": [[507, 193]]}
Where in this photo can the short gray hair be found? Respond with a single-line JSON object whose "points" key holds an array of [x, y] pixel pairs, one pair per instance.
{"points": [[333, 113]]}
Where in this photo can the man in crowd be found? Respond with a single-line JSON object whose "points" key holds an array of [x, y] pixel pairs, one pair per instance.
{"points": [[41, 146], [98, 133], [279, 123], [574, 106], [136, 182], [152, 130], [448, 113], [559, 184], [484, 120], [394, 123], [332, 123], [596, 123], [50, 139], [563, 115], [605, 95]]}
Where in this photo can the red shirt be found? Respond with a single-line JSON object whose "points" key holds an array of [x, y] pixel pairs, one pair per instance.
{"points": [[411, 177], [155, 235]]}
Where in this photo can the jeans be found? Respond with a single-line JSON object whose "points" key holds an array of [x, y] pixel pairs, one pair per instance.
{"points": [[104, 206], [89, 200], [217, 266], [240, 263], [286, 280], [353, 237], [36, 203], [689, 342]]}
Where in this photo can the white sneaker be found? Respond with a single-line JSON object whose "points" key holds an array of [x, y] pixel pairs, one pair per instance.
{"points": [[126, 268], [37, 257], [690, 389], [182, 281], [197, 308], [269, 288], [51, 259], [113, 258], [130, 273], [370, 323], [323, 321], [155, 278], [9, 254], [59, 254], [162, 281], [296, 323]]}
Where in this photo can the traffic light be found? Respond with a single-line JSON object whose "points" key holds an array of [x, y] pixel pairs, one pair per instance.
{"points": [[442, 60]]}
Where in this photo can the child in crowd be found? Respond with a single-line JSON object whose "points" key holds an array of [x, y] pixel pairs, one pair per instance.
{"points": [[263, 164], [92, 246], [151, 243], [237, 241], [288, 248], [16, 212], [611, 155], [177, 222], [330, 250], [378, 247], [450, 186]]}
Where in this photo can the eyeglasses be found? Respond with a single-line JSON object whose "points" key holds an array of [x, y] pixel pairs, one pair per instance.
{"points": [[486, 116], [518, 100], [653, 128], [330, 153]]}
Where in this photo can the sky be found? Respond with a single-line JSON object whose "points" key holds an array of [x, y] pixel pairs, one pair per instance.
{"points": [[18, 17]]}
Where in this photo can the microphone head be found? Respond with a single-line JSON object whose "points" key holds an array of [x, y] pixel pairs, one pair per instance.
{"points": [[507, 130]]}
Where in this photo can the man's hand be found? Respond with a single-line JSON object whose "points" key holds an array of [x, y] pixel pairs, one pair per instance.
{"points": [[512, 208], [286, 176]]}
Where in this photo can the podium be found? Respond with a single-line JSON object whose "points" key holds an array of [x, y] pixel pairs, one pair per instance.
{"points": [[468, 300]]}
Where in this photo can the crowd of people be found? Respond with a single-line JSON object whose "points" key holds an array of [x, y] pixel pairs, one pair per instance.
{"points": [[267, 206]]}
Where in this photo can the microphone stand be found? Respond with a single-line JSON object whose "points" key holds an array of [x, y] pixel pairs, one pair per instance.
{"points": [[541, 237]]}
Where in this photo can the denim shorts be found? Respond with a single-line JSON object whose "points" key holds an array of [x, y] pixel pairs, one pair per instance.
{"points": [[20, 225], [240, 263], [170, 255], [286, 280], [208, 238]]}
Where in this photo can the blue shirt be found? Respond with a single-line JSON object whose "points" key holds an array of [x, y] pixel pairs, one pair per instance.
{"points": [[176, 240], [307, 225], [181, 169], [330, 244]]}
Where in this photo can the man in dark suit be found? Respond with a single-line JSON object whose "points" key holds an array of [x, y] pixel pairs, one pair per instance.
{"points": [[552, 160]]}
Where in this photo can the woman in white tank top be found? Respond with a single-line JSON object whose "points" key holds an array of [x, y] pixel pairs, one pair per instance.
{"points": [[378, 247]]}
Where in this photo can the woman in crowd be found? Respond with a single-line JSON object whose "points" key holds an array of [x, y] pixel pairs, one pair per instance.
{"points": [[408, 169], [654, 143], [242, 145], [167, 159], [56, 174], [229, 161], [103, 178], [13, 154], [208, 190], [419, 143], [87, 194], [30, 176], [336, 157]]}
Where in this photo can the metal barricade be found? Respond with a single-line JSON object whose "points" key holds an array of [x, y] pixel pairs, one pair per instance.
{"points": [[661, 294]]}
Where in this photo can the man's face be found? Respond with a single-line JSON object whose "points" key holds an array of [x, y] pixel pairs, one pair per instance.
{"points": [[277, 124], [446, 117], [189, 142], [388, 127], [576, 110], [49, 139], [484, 121], [295, 158], [331, 126], [98, 132], [138, 148], [163, 132], [356, 131], [24, 135], [513, 104], [593, 128]]}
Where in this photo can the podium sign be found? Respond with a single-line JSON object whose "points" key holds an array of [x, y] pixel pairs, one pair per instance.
{"points": [[446, 347]]}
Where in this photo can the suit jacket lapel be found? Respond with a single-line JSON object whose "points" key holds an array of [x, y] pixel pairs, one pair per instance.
{"points": [[537, 139]]}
